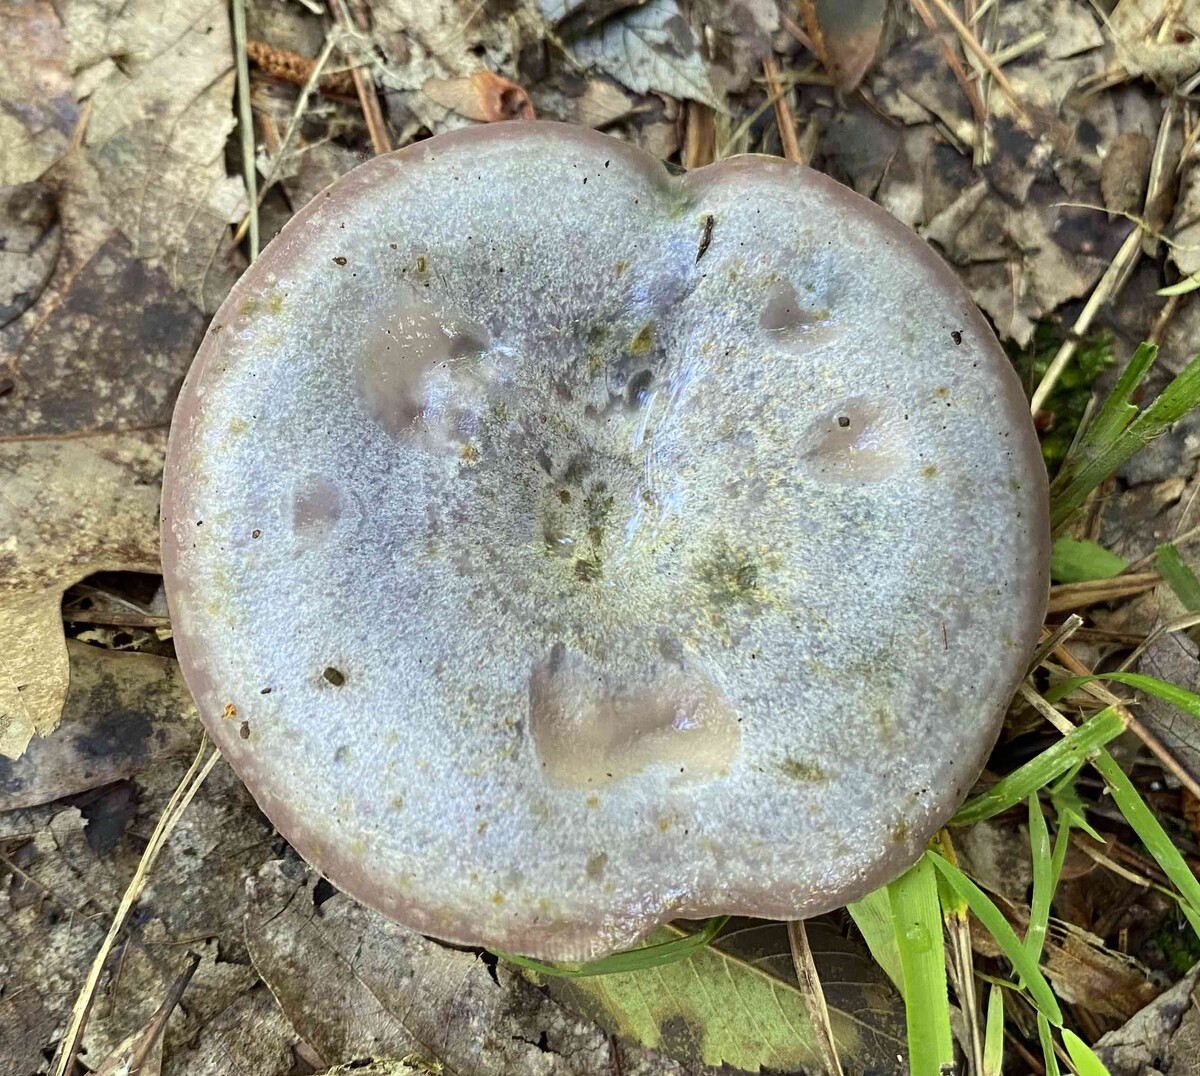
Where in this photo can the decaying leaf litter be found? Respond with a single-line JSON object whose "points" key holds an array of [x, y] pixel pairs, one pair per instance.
{"points": [[1048, 148]]}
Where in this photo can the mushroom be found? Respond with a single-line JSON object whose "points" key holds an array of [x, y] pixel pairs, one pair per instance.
{"points": [[557, 547]]}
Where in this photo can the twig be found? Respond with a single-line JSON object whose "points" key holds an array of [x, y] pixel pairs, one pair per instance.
{"points": [[1056, 638], [364, 83], [968, 87], [793, 28], [178, 803], [293, 125], [1109, 285], [700, 137], [246, 121], [814, 997], [1070, 596], [971, 43], [783, 113]]}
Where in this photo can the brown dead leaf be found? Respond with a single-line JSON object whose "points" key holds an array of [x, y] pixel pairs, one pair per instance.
{"points": [[123, 714], [1080, 967], [141, 1053], [158, 77], [1125, 171], [40, 106], [1146, 1043], [30, 239], [72, 506], [845, 36], [482, 96], [57, 897], [355, 984]]}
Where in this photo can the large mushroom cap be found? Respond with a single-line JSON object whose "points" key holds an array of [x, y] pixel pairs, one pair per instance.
{"points": [[556, 547]]}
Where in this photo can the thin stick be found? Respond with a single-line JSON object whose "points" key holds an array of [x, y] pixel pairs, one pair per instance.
{"points": [[364, 83], [968, 87], [972, 44], [783, 113], [700, 138], [246, 121], [1110, 283], [1056, 638], [814, 996], [184, 792], [293, 125]]}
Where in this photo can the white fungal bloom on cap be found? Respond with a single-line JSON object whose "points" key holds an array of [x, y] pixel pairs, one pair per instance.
{"points": [[556, 547]]}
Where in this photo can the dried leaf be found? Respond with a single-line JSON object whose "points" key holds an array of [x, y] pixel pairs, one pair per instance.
{"points": [[123, 714], [602, 103], [845, 35], [39, 105], [1125, 171], [71, 507], [651, 48], [483, 96], [29, 243], [141, 1053], [1185, 231], [738, 1001], [1157, 39], [1146, 1039], [156, 130], [355, 984]]}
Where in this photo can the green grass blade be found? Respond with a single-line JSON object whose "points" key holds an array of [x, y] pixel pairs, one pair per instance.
{"points": [[1070, 807], [1043, 880], [649, 956], [1086, 1063], [1046, 1038], [917, 925], [1115, 435], [993, 1036], [1149, 830], [1044, 768], [1117, 412], [873, 917], [1160, 689], [1004, 936], [1074, 560], [1178, 576]]}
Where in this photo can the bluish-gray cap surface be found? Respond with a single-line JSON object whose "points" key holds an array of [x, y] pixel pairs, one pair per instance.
{"points": [[556, 547]]}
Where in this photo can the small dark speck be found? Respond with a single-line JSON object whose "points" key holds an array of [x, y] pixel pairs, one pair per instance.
{"points": [[256, 534], [844, 421], [339, 261], [244, 731], [199, 523], [956, 336], [265, 691], [335, 676], [606, 164]]}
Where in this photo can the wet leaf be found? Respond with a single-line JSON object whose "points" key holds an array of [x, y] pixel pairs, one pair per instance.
{"points": [[738, 1001], [651, 47]]}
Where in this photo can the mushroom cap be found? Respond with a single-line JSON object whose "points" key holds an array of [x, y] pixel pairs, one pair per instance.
{"points": [[556, 547]]}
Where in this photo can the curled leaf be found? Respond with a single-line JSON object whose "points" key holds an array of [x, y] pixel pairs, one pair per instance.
{"points": [[483, 96]]}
